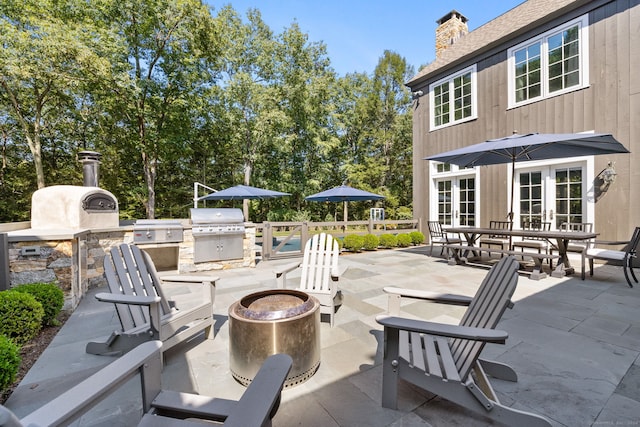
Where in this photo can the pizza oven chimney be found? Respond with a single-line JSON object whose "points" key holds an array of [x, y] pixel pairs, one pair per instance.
{"points": [[90, 168]]}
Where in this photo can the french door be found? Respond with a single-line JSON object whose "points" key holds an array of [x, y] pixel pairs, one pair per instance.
{"points": [[457, 201], [553, 194]]}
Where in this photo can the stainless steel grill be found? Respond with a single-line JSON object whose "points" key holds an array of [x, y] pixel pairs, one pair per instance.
{"points": [[218, 234], [157, 231]]}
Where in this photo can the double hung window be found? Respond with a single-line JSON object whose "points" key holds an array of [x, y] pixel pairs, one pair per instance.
{"points": [[453, 99], [551, 64]]}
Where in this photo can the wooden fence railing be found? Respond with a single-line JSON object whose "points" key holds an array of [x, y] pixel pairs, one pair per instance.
{"points": [[287, 239]]}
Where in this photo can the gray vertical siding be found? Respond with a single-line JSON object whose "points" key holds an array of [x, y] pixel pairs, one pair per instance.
{"points": [[611, 104]]}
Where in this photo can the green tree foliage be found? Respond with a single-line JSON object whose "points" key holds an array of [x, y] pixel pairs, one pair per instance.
{"points": [[46, 61], [172, 93], [167, 68]]}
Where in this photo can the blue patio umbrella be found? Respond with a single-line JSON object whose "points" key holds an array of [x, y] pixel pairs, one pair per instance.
{"points": [[532, 146], [244, 192], [343, 193]]}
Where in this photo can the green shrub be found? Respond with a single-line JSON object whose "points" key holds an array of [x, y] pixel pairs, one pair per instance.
{"points": [[340, 242], [388, 241], [417, 237], [299, 216], [49, 295], [404, 213], [353, 242], [371, 242], [20, 316], [9, 362], [404, 240]]}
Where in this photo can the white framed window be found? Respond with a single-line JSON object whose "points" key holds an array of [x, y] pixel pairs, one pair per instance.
{"points": [[453, 99], [555, 191], [550, 64], [454, 195]]}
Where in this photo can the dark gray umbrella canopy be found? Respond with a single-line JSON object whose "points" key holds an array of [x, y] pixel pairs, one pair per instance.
{"points": [[343, 193], [241, 192], [244, 192], [533, 146]]}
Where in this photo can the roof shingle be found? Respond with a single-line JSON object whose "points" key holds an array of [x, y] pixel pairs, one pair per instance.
{"points": [[494, 31]]}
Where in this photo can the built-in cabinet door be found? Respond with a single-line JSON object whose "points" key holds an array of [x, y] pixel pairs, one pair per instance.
{"points": [[457, 201], [554, 194]]}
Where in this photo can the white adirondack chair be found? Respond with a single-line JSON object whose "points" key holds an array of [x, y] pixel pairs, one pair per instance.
{"points": [[144, 312], [320, 273], [256, 407], [445, 359]]}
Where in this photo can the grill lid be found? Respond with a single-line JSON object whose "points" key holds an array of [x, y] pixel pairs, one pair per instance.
{"points": [[216, 216], [156, 224]]}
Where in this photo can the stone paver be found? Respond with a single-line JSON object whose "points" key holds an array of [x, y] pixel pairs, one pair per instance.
{"points": [[574, 344]]}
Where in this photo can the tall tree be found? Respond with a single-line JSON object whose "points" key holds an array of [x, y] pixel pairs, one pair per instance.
{"points": [[45, 58], [393, 122], [381, 150], [249, 104], [165, 43], [305, 83]]}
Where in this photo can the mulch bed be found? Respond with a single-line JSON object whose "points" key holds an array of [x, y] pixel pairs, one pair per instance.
{"points": [[30, 352]]}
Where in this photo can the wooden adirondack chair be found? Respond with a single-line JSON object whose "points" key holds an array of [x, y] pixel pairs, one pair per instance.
{"points": [[445, 359], [256, 407], [144, 312], [319, 274]]}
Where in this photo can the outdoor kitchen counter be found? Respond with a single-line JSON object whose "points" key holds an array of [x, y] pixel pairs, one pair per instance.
{"points": [[32, 234]]}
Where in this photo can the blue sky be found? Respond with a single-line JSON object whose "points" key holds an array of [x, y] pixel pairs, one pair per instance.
{"points": [[357, 32]]}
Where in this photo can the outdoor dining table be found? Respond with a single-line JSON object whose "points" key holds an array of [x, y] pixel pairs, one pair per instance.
{"points": [[560, 239]]}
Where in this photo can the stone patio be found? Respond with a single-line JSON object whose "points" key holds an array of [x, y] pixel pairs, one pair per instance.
{"points": [[574, 344]]}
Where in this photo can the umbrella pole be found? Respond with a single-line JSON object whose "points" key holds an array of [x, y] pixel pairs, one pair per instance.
{"points": [[513, 184], [344, 215]]}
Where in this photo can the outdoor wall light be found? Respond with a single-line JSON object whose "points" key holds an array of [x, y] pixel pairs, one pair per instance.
{"points": [[416, 95], [609, 174]]}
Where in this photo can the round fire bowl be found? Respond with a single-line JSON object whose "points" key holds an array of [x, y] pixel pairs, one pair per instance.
{"points": [[271, 322]]}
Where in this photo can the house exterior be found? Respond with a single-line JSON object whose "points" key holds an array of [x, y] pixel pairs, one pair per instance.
{"points": [[547, 66]]}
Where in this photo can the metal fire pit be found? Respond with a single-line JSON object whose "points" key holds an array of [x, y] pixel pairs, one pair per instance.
{"points": [[271, 322]]}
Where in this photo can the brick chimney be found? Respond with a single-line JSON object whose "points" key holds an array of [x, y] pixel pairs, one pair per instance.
{"points": [[450, 28]]}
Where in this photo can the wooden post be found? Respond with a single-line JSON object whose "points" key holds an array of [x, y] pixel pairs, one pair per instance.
{"points": [[5, 280], [304, 235], [267, 240]]}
